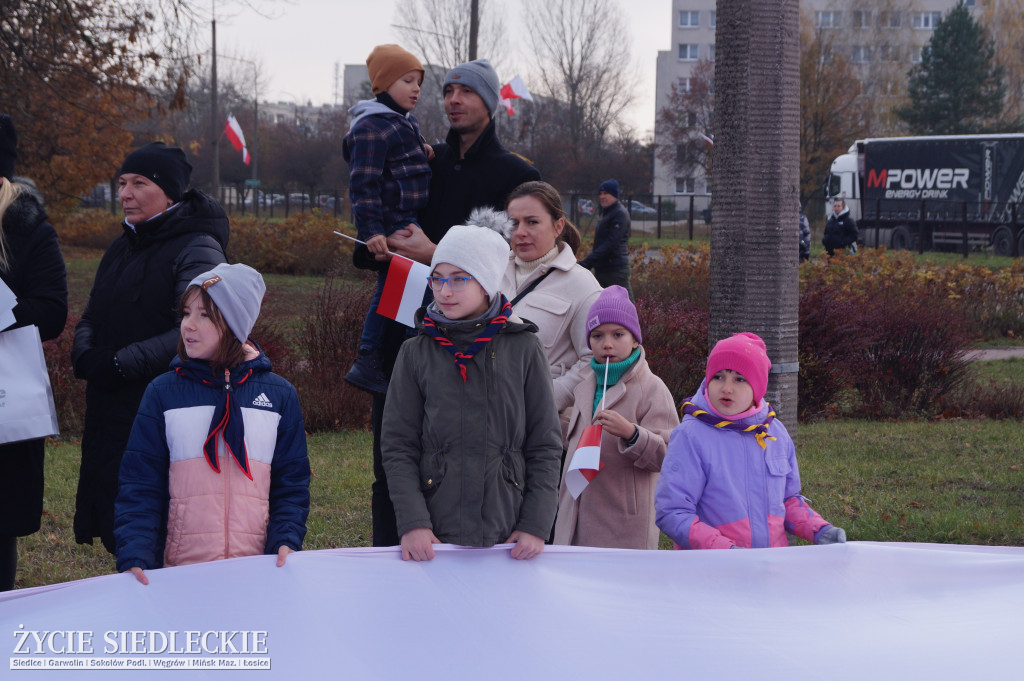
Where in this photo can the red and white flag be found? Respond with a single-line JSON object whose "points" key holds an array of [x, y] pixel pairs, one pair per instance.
{"points": [[514, 89], [586, 461], [709, 140], [403, 290], [234, 133]]}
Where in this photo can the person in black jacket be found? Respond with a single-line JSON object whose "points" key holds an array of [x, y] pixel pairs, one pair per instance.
{"points": [[470, 169], [129, 330], [609, 258], [32, 266], [840, 229]]}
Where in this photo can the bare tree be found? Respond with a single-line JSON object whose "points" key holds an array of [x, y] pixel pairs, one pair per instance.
{"points": [[583, 59], [438, 31], [686, 123], [753, 281]]}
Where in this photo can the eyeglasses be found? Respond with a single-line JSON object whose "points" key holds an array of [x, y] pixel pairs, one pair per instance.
{"points": [[456, 284]]}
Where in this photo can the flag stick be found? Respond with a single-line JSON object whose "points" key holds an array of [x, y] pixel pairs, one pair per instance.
{"points": [[604, 395], [392, 253]]}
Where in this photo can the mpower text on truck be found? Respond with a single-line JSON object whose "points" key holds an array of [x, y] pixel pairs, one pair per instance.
{"points": [[935, 192]]}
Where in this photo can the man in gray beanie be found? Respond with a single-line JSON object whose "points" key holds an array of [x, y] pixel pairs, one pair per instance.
{"points": [[471, 169]]}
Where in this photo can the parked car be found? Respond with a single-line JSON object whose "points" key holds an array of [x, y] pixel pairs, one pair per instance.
{"points": [[637, 207], [327, 203], [585, 207]]}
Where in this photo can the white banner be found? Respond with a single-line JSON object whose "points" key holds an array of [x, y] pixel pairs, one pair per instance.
{"points": [[847, 611]]}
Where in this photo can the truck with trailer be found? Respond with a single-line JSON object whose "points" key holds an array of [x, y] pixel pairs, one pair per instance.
{"points": [[934, 193]]}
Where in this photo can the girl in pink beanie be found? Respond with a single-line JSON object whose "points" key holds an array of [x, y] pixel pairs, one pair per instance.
{"points": [[636, 413], [730, 477]]}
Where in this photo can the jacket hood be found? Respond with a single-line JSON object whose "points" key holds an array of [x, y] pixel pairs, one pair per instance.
{"points": [[845, 211], [196, 213], [27, 209], [369, 107], [752, 420], [489, 137]]}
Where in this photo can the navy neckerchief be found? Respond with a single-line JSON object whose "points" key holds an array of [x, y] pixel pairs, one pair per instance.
{"points": [[462, 358], [227, 419], [759, 430]]}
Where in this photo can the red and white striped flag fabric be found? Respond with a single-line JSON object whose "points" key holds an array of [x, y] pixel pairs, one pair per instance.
{"points": [[403, 290], [234, 133], [586, 461], [514, 89]]}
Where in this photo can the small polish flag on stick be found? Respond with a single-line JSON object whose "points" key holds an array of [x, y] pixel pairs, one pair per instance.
{"points": [[234, 133], [515, 89], [586, 460], [403, 288]]}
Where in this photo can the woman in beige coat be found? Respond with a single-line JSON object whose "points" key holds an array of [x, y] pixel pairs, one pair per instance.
{"points": [[546, 286], [636, 414]]}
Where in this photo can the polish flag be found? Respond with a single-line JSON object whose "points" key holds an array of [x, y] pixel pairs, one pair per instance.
{"points": [[515, 89], [234, 133], [586, 461], [707, 139], [403, 290]]}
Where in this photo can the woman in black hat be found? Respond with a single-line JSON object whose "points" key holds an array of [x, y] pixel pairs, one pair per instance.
{"points": [[32, 266], [129, 330]]}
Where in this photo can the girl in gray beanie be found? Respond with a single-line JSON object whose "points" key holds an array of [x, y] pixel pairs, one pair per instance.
{"points": [[216, 465], [471, 439]]}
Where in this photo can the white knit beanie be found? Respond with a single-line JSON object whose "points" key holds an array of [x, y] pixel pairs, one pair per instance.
{"points": [[477, 248]]}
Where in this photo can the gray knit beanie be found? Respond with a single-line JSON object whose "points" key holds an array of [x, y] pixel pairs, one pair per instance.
{"points": [[480, 77], [237, 291]]}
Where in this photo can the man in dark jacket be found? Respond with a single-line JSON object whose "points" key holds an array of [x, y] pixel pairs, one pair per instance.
{"points": [[471, 169], [609, 258], [129, 330], [840, 229]]}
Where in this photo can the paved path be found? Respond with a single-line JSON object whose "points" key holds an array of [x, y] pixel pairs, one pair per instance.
{"points": [[987, 354]]}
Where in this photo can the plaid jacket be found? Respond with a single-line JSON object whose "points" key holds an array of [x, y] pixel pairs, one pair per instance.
{"points": [[388, 171]]}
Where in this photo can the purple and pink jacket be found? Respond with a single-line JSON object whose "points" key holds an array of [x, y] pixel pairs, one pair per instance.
{"points": [[719, 488]]}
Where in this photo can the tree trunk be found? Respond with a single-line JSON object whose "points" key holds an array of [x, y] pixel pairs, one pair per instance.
{"points": [[754, 243]]}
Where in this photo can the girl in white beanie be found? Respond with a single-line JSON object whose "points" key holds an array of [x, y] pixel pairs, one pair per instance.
{"points": [[216, 464], [471, 441]]}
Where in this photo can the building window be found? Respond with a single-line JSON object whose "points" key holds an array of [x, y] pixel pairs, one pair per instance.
{"points": [[691, 118], [890, 19], [862, 19], [970, 3], [828, 19], [712, 19], [915, 55], [688, 19], [688, 52], [686, 185], [707, 185], [891, 53], [711, 51], [683, 85], [861, 54], [927, 20]]}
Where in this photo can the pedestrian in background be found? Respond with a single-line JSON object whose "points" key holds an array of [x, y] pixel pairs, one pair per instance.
{"points": [[609, 258]]}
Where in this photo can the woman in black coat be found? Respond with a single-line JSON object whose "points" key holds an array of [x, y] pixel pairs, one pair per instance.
{"points": [[129, 330], [32, 266]]}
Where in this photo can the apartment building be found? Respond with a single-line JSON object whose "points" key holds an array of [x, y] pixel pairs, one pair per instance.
{"points": [[883, 39]]}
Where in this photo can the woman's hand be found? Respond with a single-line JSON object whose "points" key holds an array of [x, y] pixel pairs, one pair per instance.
{"points": [[527, 545], [282, 554], [139, 574], [615, 424], [418, 544]]}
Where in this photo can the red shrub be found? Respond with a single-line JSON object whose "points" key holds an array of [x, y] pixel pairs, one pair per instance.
{"points": [[676, 342]]}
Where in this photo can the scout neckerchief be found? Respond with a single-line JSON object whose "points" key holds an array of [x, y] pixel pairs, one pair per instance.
{"points": [[760, 430], [227, 419], [462, 358]]}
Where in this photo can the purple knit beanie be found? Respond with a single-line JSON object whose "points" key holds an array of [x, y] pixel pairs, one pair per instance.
{"points": [[744, 353], [613, 306]]}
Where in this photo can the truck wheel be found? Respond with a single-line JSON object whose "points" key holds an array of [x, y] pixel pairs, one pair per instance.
{"points": [[1002, 241], [901, 239]]}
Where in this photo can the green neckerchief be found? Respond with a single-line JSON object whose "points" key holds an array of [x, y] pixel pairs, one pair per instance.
{"points": [[615, 371]]}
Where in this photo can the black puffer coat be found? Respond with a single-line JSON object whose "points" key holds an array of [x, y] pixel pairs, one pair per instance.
{"points": [[132, 310], [36, 274]]}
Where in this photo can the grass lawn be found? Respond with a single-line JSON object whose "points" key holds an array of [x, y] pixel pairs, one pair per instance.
{"points": [[945, 481]]}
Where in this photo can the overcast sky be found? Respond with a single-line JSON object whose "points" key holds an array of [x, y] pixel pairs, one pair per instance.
{"points": [[297, 49]]}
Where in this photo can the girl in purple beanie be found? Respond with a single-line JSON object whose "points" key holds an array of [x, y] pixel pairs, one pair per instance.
{"points": [[636, 414], [730, 478]]}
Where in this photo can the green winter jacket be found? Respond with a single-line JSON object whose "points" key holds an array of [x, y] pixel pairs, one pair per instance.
{"points": [[473, 461]]}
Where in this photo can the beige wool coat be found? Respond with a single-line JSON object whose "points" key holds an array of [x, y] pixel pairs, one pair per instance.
{"points": [[559, 307], [616, 510]]}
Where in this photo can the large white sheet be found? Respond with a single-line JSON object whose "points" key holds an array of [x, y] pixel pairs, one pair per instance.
{"points": [[854, 611]]}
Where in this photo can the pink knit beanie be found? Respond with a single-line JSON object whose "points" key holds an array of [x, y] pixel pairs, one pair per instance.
{"points": [[613, 306], [744, 353]]}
